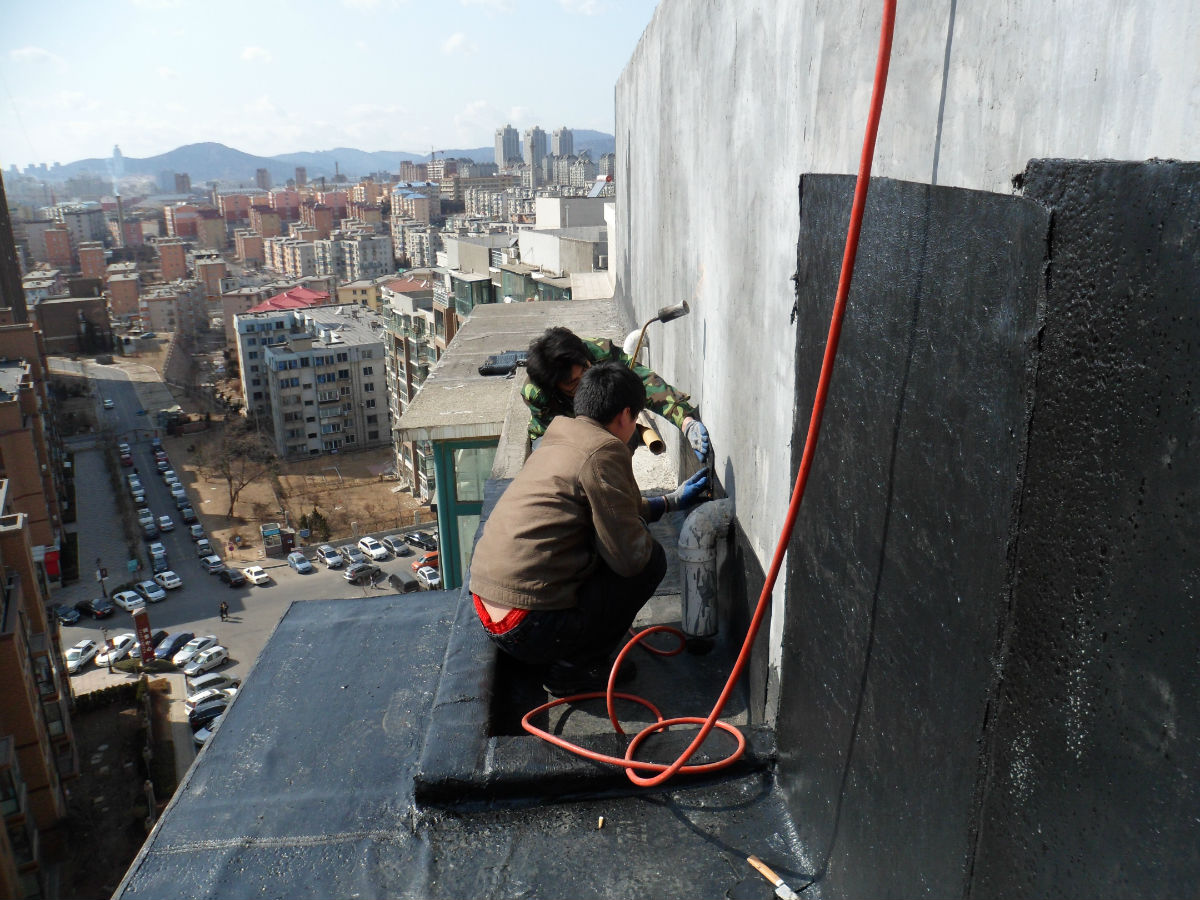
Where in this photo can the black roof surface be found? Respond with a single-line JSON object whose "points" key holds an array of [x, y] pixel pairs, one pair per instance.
{"points": [[309, 788]]}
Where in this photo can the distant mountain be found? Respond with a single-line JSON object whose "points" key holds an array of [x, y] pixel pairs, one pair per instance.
{"points": [[216, 162]]}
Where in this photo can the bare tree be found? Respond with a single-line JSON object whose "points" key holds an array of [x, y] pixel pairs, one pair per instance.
{"points": [[240, 456]]}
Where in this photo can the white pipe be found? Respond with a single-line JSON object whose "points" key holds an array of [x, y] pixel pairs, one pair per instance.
{"points": [[698, 538]]}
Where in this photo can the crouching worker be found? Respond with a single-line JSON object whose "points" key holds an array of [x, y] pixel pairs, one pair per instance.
{"points": [[566, 560]]}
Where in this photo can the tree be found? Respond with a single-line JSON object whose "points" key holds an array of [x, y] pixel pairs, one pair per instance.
{"points": [[241, 455]]}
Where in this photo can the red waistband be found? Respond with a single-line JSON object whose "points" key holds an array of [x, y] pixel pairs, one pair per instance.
{"points": [[508, 623]]}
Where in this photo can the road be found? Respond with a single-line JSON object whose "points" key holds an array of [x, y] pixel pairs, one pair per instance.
{"points": [[253, 610]]}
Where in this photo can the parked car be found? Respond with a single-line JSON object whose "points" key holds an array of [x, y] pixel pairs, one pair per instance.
{"points": [[126, 459], [166, 523], [257, 575], [361, 573], [162, 465], [80, 655], [329, 556], [212, 564], [429, 577], [124, 447], [135, 483], [426, 559], [139, 496], [172, 644], [205, 712], [195, 532], [188, 651], [145, 516], [181, 500], [403, 582], [232, 577], [202, 734], [188, 514], [372, 548], [65, 614], [168, 580], [351, 554], [128, 600], [205, 696], [97, 607], [117, 649], [205, 660], [159, 564], [204, 547], [155, 639], [157, 549], [299, 562], [156, 444], [397, 544], [108, 404], [422, 540], [200, 683], [150, 532], [150, 591], [168, 476]]}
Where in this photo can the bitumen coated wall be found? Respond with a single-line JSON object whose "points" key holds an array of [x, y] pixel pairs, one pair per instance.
{"points": [[988, 678]]}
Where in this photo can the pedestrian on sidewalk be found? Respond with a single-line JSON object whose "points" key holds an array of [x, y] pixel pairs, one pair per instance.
{"points": [[224, 608]]}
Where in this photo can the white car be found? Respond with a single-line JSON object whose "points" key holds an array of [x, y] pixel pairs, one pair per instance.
{"points": [[118, 648], [128, 600], [211, 694], [373, 548], [157, 548], [205, 660], [108, 404], [145, 516], [201, 737], [166, 523], [196, 645], [150, 591], [80, 655], [430, 577], [168, 580], [257, 575]]}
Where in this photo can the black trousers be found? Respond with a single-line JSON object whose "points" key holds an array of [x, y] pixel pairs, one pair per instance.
{"points": [[592, 629]]}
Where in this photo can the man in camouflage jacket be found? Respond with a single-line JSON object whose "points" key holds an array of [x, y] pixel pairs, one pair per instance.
{"points": [[558, 359]]}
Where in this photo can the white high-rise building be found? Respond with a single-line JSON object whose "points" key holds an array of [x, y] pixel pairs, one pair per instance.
{"points": [[535, 146], [562, 142], [508, 145]]}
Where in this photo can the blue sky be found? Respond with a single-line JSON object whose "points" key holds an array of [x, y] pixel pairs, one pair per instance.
{"points": [[276, 76]]}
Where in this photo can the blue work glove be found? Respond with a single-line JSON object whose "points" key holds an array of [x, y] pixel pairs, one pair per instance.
{"points": [[697, 436], [689, 493]]}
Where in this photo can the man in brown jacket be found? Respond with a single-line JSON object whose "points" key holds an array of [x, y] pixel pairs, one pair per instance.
{"points": [[566, 560]]}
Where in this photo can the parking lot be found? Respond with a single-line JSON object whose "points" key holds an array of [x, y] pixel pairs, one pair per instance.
{"points": [[194, 606]]}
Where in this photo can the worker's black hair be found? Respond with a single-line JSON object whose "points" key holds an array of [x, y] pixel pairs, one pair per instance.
{"points": [[606, 389], [551, 357]]}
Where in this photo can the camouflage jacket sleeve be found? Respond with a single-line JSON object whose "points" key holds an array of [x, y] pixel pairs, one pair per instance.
{"points": [[540, 415], [660, 396]]}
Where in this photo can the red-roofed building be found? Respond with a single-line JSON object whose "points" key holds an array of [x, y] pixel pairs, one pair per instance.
{"points": [[296, 298]]}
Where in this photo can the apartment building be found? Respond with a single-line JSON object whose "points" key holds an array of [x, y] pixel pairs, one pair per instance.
{"points": [[181, 219], [172, 258], [179, 306], [91, 259], [411, 353], [265, 221], [123, 292], [324, 376], [248, 246], [37, 743], [284, 294], [58, 247], [211, 230]]}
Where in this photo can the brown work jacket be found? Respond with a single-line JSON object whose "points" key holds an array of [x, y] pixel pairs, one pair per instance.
{"points": [[574, 503]]}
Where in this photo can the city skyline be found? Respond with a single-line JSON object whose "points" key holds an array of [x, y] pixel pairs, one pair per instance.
{"points": [[153, 75]]}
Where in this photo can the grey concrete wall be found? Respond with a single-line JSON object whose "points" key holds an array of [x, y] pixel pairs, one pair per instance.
{"points": [[724, 105]]}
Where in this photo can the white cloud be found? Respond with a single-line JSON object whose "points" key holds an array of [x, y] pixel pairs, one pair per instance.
{"points": [[257, 54], [583, 7], [459, 43], [263, 106], [499, 6], [157, 4], [167, 73], [36, 55]]}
